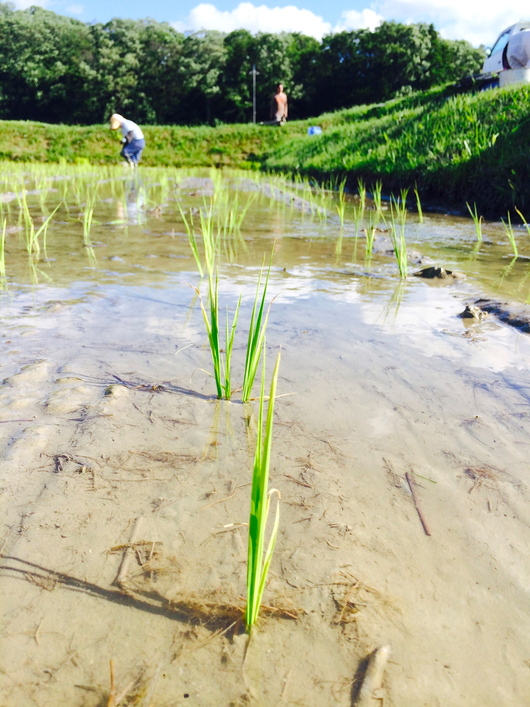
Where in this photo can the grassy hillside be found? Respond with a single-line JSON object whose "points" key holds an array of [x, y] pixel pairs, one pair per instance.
{"points": [[454, 148]]}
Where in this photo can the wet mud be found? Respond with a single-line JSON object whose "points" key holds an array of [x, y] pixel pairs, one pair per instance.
{"points": [[513, 313], [401, 437]]}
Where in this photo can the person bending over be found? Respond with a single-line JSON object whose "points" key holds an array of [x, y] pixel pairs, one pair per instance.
{"points": [[133, 140]]}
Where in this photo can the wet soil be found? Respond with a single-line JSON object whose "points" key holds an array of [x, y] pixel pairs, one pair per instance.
{"points": [[400, 451]]}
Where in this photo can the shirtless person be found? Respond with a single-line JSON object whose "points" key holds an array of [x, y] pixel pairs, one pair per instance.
{"points": [[279, 106]]}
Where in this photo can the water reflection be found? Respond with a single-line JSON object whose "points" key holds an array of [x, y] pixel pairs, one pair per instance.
{"points": [[131, 209], [137, 231]]}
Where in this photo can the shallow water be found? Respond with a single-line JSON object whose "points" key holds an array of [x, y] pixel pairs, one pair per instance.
{"points": [[108, 415]]}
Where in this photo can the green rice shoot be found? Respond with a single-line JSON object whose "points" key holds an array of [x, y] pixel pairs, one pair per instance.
{"points": [[221, 372], [259, 558], [256, 334], [508, 228], [477, 220]]}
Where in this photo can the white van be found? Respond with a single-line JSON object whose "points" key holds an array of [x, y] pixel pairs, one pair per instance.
{"points": [[510, 55]]}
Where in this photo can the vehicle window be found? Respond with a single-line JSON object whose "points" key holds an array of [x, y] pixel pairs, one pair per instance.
{"points": [[501, 42]]}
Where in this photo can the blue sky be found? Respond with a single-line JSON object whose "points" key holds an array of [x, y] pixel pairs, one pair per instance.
{"points": [[475, 20]]}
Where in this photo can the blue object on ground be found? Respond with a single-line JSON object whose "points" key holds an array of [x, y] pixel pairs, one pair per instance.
{"points": [[314, 130]]}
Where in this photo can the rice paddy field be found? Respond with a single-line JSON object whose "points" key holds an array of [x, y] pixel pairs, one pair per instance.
{"points": [[142, 314]]}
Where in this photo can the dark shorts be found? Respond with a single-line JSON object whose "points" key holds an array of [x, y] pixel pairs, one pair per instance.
{"points": [[132, 151]]}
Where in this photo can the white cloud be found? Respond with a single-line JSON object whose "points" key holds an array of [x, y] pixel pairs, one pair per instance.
{"points": [[255, 19], [365, 19], [24, 4], [474, 20], [454, 19], [75, 9]]}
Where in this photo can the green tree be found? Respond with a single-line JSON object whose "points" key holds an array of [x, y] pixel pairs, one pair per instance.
{"points": [[236, 79], [45, 66], [303, 53], [161, 49], [458, 58], [340, 71], [201, 65], [117, 69], [56, 69], [396, 55]]}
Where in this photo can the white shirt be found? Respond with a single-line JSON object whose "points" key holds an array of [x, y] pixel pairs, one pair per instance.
{"points": [[129, 127]]}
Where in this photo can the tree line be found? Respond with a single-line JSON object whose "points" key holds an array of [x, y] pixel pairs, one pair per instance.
{"points": [[56, 69]]}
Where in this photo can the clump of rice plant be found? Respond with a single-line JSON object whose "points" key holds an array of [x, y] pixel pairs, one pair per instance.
{"points": [[508, 228], [377, 197], [256, 335], [362, 194], [87, 217], [525, 224], [360, 206], [32, 236], [221, 371], [477, 220], [210, 231], [340, 204], [190, 231], [233, 214], [398, 217], [418, 205], [259, 558], [369, 242], [210, 235]]}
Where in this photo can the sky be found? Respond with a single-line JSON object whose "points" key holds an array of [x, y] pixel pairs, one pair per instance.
{"points": [[476, 21]]}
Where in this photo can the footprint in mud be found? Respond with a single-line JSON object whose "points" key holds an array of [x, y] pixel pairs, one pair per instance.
{"points": [[23, 390], [68, 400], [27, 443]]}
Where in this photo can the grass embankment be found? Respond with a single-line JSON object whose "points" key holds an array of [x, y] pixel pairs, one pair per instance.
{"points": [[225, 146], [455, 148]]}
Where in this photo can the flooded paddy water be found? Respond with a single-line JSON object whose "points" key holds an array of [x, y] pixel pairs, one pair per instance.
{"points": [[400, 449]]}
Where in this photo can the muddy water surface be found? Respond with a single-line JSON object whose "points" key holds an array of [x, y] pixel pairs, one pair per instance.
{"points": [[400, 450]]}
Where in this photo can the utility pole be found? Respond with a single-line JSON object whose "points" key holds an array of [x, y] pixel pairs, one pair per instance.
{"points": [[254, 74]]}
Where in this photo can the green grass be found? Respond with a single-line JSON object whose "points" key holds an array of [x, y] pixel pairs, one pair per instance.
{"points": [[259, 558]]}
